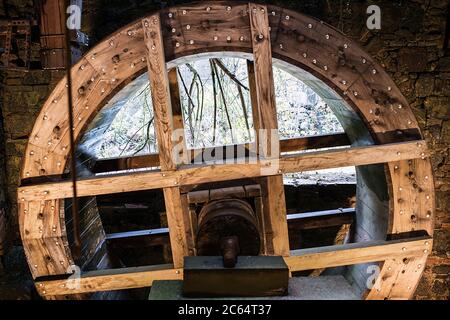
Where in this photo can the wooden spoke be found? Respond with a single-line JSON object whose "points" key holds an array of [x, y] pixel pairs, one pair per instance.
{"points": [[264, 110], [305, 259], [107, 280], [357, 253], [164, 127], [355, 156]]}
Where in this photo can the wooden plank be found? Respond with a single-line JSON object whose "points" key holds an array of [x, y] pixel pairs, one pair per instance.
{"points": [[356, 253], [188, 175], [272, 187], [287, 145], [164, 128], [274, 215], [159, 87], [306, 259], [264, 85], [110, 279], [162, 99]]}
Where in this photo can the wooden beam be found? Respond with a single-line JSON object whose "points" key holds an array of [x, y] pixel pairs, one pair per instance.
{"points": [[272, 187], [159, 87], [287, 145], [306, 259], [109, 279], [188, 175], [263, 82], [274, 215], [164, 128], [356, 253]]}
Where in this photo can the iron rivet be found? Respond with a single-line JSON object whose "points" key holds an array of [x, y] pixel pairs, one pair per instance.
{"points": [[188, 27]]}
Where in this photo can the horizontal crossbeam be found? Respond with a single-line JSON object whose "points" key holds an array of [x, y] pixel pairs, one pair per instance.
{"points": [[197, 174], [305, 259], [289, 145]]}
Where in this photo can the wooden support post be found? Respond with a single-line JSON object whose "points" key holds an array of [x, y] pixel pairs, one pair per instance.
{"points": [[178, 124], [164, 126], [264, 111]]}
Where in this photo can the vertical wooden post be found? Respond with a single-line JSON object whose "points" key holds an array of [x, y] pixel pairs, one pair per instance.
{"points": [[164, 126], [177, 113], [264, 111]]}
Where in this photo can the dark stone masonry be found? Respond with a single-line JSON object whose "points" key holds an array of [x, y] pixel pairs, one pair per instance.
{"points": [[412, 45]]}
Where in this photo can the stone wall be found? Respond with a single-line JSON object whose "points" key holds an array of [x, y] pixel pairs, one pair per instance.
{"points": [[410, 45]]}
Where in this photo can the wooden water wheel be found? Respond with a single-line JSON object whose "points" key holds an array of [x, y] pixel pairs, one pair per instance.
{"points": [[395, 194]]}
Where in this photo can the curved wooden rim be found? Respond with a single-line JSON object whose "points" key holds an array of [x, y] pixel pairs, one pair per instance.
{"points": [[306, 42]]}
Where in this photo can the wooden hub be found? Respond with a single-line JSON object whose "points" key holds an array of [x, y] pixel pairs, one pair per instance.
{"points": [[228, 227]]}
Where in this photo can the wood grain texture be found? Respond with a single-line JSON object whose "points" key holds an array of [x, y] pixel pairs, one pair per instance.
{"points": [[264, 85], [274, 215], [175, 212], [287, 145], [107, 280], [197, 174], [164, 128], [159, 87], [356, 253], [305, 259]]}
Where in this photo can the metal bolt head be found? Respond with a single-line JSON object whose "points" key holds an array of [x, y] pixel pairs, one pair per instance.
{"points": [[188, 27]]}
